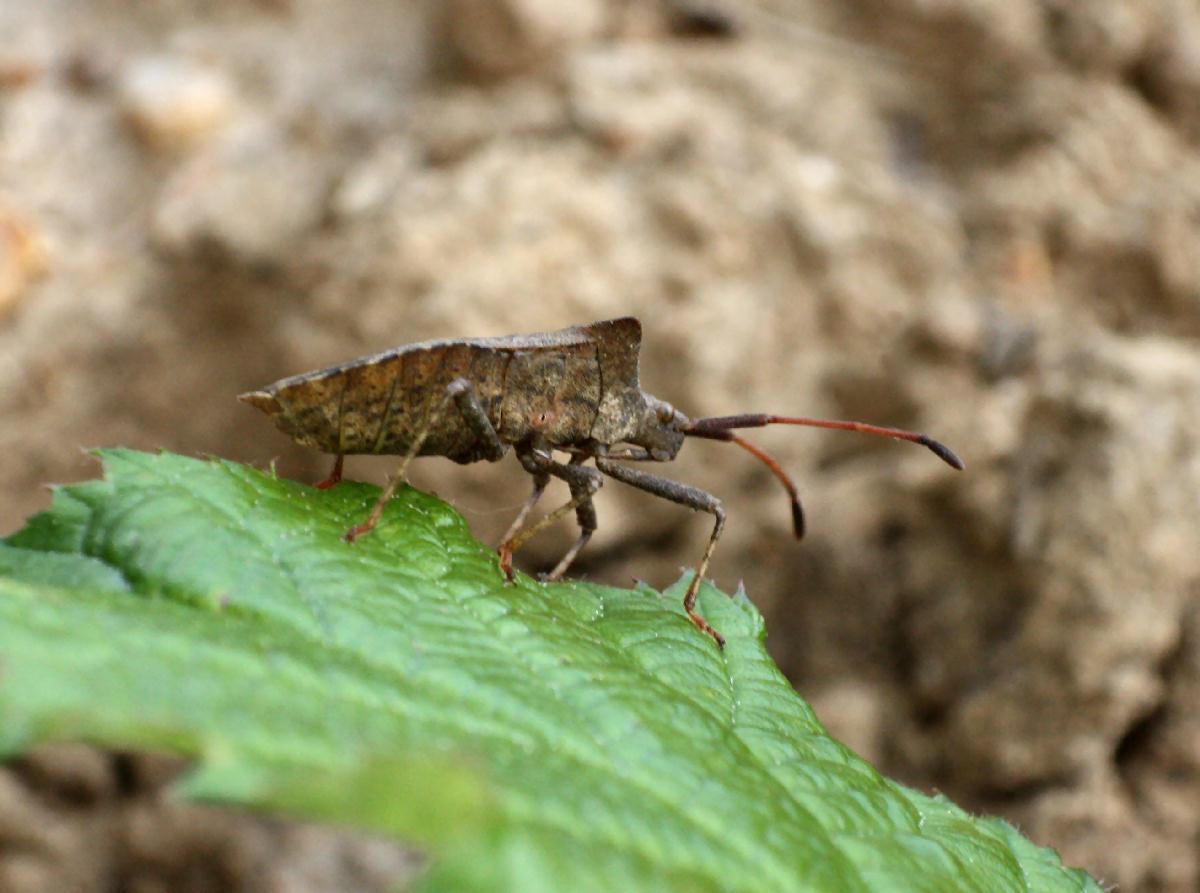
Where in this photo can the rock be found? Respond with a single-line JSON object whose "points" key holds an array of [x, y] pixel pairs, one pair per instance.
{"points": [[495, 39], [24, 257], [173, 103]]}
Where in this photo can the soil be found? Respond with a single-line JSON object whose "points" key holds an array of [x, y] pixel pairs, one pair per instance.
{"points": [[977, 218]]}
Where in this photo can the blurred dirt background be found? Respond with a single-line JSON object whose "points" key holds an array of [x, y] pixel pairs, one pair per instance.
{"points": [[977, 218]]}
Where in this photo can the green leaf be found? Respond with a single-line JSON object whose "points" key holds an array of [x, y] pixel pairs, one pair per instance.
{"points": [[531, 736]]}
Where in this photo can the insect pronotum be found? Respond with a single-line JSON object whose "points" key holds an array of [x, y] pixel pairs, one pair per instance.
{"points": [[575, 391]]}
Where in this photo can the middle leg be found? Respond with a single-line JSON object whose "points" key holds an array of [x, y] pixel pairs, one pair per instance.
{"points": [[540, 480], [581, 480], [585, 516]]}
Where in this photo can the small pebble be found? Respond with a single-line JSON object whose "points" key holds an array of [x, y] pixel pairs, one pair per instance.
{"points": [[172, 103], [494, 39], [24, 257]]}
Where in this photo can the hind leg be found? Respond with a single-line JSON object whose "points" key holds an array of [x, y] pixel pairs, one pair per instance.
{"points": [[462, 393]]}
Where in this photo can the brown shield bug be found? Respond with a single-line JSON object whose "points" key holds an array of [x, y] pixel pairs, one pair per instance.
{"points": [[575, 391]]}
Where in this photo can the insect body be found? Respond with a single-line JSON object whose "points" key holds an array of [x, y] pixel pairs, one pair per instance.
{"points": [[574, 391]]}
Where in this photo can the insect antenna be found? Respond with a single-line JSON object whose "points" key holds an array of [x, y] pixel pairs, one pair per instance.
{"points": [[720, 428]]}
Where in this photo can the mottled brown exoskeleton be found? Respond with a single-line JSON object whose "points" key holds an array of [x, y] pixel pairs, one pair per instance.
{"points": [[575, 391]]}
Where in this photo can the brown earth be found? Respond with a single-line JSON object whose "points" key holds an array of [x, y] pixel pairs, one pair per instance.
{"points": [[978, 218]]}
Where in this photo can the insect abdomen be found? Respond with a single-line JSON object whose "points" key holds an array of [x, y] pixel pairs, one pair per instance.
{"points": [[380, 407]]}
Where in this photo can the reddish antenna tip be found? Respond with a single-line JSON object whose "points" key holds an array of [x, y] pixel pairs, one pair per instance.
{"points": [[942, 451]]}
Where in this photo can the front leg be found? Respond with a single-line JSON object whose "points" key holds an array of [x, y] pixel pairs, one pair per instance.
{"points": [[692, 497], [462, 393]]}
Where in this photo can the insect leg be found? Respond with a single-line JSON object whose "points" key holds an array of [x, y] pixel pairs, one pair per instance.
{"points": [[692, 497], [582, 481], [631, 454], [462, 393], [540, 480], [335, 476], [585, 515]]}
